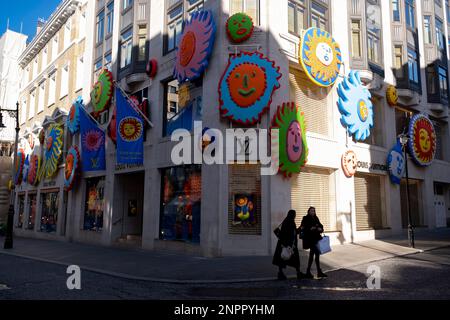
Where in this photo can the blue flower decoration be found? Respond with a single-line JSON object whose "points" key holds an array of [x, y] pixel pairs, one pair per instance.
{"points": [[396, 163], [73, 118], [247, 86], [355, 106]]}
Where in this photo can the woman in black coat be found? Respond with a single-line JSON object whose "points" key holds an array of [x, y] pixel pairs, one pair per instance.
{"points": [[287, 237], [311, 230]]}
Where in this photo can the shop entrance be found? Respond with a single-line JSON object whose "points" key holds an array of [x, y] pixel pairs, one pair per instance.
{"points": [[130, 193], [414, 202], [440, 207]]}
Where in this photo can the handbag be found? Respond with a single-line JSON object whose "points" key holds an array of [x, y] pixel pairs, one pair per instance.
{"points": [[324, 245], [287, 253]]}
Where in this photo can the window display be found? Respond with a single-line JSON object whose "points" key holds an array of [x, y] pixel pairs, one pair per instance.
{"points": [[21, 211], [181, 204], [49, 216], [94, 204], [32, 206]]}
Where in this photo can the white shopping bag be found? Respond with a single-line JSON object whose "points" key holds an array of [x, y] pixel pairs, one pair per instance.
{"points": [[324, 245]]}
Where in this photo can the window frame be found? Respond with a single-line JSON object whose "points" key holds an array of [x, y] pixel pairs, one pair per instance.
{"points": [[410, 21], [308, 8]]}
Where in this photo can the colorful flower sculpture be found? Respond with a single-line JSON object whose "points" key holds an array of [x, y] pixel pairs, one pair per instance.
{"points": [[239, 27], [355, 106], [102, 92], [73, 119], [320, 57], [247, 86], [35, 167], [72, 167], [349, 163], [392, 95], [26, 168], [18, 169], [152, 68], [292, 143], [422, 142], [195, 47], [396, 163], [53, 150], [92, 140]]}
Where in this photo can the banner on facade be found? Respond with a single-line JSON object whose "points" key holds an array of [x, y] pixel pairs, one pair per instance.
{"points": [[92, 144], [130, 132]]}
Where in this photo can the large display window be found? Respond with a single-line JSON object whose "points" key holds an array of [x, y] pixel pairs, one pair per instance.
{"points": [[32, 209], [181, 203], [50, 207], [94, 204]]}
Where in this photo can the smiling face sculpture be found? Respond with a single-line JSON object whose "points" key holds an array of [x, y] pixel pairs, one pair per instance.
{"points": [[239, 27], [349, 163], [195, 47], [72, 167], [102, 93], [422, 145], [130, 129], [247, 86], [396, 163], [291, 139], [392, 95]]}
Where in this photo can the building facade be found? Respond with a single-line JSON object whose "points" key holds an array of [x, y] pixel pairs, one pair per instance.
{"points": [[192, 208], [52, 68]]}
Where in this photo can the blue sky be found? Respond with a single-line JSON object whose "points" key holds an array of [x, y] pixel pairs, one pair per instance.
{"points": [[27, 12]]}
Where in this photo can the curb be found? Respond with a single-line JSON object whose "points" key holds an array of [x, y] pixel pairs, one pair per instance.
{"points": [[228, 281]]}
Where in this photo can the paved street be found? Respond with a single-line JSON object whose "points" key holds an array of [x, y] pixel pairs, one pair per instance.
{"points": [[417, 276]]}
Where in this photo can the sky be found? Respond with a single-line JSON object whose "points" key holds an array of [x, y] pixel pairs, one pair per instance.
{"points": [[27, 12]]}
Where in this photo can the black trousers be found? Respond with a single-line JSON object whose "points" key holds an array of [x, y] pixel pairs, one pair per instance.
{"points": [[314, 252]]}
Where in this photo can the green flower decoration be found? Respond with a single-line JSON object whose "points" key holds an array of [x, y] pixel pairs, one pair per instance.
{"points": [[292, 143], [102, 92], [239, 27]]}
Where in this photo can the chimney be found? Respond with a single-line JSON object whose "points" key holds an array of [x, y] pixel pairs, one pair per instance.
{"points": [[40, 24]]}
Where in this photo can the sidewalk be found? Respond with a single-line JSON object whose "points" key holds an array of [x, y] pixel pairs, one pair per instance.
{"points": [[156, 266]]}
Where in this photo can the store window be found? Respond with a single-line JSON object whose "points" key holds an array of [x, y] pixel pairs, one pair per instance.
{"points": [[250, 7], [21, 211], [94, 204], [182, 107], [32, 210], [142, 43], [126, 48], [181, 203], [303, 14], [49, 213]]}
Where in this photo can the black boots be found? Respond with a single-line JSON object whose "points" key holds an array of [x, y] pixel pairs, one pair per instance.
{"points": [[281, 275], [309, 275], [320, 274]]}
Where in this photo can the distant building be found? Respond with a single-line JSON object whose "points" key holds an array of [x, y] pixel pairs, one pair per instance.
{"points": [[12, 44]]}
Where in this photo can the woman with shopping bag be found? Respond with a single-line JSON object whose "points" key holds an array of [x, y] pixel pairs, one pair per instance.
{"points": [[286, 253], [311, 230]]}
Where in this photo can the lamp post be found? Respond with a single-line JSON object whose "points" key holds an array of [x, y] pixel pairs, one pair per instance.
{"points": [[9, 227], [404, 138]]}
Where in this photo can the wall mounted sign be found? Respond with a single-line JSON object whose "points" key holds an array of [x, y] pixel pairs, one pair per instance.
{"points": [[18, 169], [72, 167], [152, 68], [195, 46], [73, 118], [35, 167], [355, 106], [349, 163], [293, 146], [102, 92], [247, 86], [422, 142], [396, 163], [392, 95], [53, 150], [239, 27], [320, 56]]}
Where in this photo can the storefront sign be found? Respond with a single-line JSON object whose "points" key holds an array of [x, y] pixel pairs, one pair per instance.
{"points": [[122, 167], [51, 183], [372, 166]]}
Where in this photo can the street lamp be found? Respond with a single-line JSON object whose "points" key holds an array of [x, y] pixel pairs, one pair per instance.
{"points": [[9, 227], [404, 138]]}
